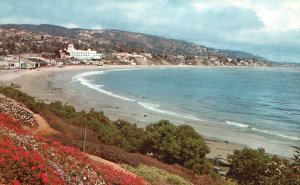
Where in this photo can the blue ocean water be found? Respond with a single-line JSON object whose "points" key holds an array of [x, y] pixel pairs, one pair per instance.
{"points": [[260, 101]]}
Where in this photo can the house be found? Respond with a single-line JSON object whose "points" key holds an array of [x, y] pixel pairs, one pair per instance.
{"points": [[38, 62], [83, 54], [9, 62]]}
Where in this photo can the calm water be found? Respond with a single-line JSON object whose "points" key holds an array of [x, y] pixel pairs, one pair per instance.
{"points": [[259, 101]]}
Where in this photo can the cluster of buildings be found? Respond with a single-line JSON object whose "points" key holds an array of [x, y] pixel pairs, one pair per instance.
{"points": [[68, 56], [131, 58], [18, 62]]}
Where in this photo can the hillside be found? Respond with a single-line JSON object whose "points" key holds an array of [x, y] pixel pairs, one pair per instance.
{"points": [[39, 160], [162, 49]]}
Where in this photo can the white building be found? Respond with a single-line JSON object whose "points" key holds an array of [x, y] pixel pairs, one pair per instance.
{"points": [[83, 54]]}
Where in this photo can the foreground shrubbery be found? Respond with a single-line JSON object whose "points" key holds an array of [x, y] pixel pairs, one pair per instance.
{"points": [[29, 159], [176, 144], [254, 166], [169, 143]]}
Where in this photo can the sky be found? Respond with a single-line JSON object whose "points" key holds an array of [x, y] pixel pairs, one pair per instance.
{"points": [[269, 28]]}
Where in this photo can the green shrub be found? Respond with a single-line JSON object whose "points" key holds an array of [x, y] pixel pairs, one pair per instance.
{"points": [[132, 135], [254, 166], [176, 144]]}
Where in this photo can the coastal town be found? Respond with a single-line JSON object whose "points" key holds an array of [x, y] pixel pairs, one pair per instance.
{"points": [[21, 48]]}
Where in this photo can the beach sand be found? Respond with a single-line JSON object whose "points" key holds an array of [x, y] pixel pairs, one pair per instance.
{"points": [[53, 83]]}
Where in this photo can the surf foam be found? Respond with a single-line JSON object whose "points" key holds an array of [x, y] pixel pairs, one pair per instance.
{"points": [[82, 79], [277, 134], [237, 124], [153, 107]]}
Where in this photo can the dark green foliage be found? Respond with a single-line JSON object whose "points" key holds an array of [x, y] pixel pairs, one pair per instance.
{"points": [[160, 139], [254, 166], [176, 144], [248, 165], [133, 136]]}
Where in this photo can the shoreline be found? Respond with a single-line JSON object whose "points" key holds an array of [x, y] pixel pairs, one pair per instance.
{"points": [[114, 108]]}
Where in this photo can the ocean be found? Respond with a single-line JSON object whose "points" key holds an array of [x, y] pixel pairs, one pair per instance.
{"points": [[260, 106]]}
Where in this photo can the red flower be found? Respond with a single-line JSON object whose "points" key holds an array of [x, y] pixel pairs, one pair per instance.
{"points": [[44, 177], [2, 160], [16, 182], [41, 167], [23, 164], [16, 158], [33, 168]]}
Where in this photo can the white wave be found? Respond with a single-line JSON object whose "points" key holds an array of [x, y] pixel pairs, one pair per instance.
{"points": [[155, 107], [91, 73], [237, 124], [277, 134], [81, 78]]}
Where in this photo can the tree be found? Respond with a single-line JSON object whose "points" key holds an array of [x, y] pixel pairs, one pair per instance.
{"points": [[193, 147], [254, 166], [132, 136], [176, 144], [248, 166], [160, 140]]}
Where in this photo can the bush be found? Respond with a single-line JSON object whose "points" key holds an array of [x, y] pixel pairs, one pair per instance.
{"points": [[132, 135], [172, 144], [248, 166], [254, 166]]}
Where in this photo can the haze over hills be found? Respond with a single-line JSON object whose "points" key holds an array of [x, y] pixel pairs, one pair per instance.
{"points": [[110, 40]]}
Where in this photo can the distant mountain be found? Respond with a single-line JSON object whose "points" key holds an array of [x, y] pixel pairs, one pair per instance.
{"points": [[116, 40], [241, 54], [46, 28]]}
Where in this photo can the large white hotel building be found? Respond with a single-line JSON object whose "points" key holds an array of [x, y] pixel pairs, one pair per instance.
{"points": [[83, 54]]}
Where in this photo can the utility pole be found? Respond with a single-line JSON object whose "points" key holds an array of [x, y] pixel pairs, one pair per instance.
{"points": [[84, 141], [18, 57]]}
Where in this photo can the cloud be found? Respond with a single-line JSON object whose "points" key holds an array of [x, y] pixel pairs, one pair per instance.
{"points": [[276, 15], [97, 27], [228, 24], [71, 25]]}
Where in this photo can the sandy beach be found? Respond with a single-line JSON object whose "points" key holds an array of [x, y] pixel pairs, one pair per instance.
{"points": [[53, 83]]}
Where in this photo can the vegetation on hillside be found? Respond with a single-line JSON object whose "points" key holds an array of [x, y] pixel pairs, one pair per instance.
{"points": [[29, 159], [176, 144], [254, 166]]}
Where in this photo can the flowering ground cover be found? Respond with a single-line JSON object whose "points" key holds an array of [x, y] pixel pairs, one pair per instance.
{"points": [[18, 110], [30, 159]]}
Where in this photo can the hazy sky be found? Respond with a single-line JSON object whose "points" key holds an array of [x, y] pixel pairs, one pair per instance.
{"points": [[270, 28]]}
